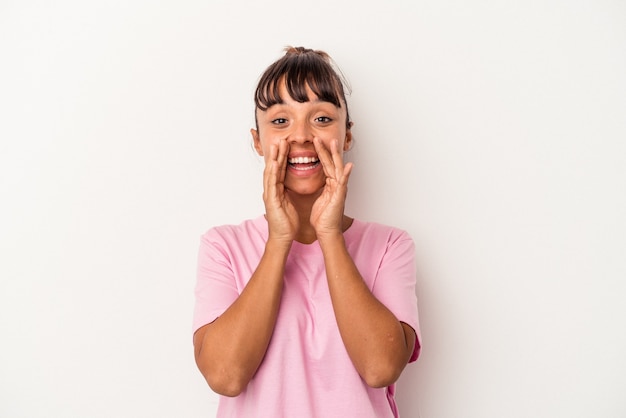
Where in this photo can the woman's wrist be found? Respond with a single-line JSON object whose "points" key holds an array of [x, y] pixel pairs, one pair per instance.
{"points": [[331, 239], [275, 245]]}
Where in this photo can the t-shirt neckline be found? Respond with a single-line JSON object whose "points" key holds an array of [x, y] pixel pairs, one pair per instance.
{"points": [[314, 246]]}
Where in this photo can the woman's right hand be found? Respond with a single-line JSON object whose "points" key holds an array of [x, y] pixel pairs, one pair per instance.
{"points": [[282, 217]]}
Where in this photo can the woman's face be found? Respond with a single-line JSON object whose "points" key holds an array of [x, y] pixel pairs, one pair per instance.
{"points": [[297, 124]]}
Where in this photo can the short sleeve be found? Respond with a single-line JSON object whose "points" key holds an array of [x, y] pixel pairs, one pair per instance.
{"points": [[215, 287], [395, 283]]}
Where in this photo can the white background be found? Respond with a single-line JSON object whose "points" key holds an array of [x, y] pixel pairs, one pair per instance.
{"points": [[493, 131]]}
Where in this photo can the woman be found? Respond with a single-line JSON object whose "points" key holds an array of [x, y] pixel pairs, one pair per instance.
{"points": [[305, 312]]}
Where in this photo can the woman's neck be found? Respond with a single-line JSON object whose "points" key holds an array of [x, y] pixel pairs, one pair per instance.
{"points": [[303, 205]]}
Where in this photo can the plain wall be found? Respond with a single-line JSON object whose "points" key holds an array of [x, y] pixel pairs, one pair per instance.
{"points": [[493, 131]]}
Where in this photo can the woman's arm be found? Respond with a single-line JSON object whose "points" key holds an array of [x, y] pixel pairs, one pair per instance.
{"points": [[378, 344], [229, 350]]}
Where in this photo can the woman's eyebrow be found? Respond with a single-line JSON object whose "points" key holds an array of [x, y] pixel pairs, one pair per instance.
{"points": [[315, 101]]}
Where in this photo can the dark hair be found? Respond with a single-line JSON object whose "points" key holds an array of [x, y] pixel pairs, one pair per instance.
{"points": [[298, 68]]}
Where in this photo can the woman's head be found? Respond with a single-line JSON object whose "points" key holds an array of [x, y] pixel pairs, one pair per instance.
{"points": [[301, 108], [298, 69]]}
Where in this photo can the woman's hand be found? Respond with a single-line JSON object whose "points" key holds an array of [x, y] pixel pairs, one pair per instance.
{"points": [[327, 211], [282, 217]]}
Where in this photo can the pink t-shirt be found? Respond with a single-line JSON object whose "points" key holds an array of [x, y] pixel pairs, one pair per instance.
{"points": [[306, 371]]}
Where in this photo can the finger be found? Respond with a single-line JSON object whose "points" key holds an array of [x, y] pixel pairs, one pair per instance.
{"points": [[270, 182], [337, 158], [347, 169], [271, 157], [324, 157], [271, 172], [282, 154], [267, 170], [268, 157]]}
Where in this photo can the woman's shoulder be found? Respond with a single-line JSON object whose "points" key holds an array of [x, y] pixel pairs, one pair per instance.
{"points": [[254, 227], [375, 231]]}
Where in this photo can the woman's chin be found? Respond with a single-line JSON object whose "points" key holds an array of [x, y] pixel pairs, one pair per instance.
{"points": [[308, 190]]}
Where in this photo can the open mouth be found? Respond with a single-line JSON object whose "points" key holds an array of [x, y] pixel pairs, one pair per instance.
{"points": [[303, 163]]}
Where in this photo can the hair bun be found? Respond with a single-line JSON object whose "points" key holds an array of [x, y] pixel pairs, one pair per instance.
{"points": [[300, 50]]}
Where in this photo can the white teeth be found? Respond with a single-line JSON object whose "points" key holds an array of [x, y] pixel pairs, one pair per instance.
{"points": [[303, 160]]}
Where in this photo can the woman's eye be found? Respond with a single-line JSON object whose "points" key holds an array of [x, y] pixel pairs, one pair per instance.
{"points": [[279, 121], [323, 119]]}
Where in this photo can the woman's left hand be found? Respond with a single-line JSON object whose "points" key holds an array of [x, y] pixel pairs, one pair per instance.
{"points": [[327, 211]]}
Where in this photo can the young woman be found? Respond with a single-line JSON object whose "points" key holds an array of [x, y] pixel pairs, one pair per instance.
{"points": [[305, 312]]}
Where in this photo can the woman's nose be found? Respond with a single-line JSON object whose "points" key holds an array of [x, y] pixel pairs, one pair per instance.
{"points": [[301, 133]]}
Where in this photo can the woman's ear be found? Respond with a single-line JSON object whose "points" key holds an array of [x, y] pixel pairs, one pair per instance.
{"points": [[256, 141], [347, 144]]}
